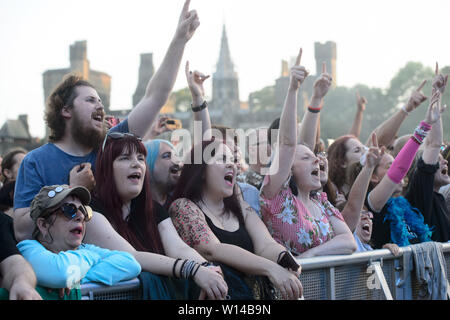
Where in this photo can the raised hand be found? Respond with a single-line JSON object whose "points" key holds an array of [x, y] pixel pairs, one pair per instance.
{"points": [[374, 154], [435, 109], [439, 81], [322, 84], [187, 23], [159, 127], [81, 175], [361, 102], [195, 82], [416, 98], [298, 73]]}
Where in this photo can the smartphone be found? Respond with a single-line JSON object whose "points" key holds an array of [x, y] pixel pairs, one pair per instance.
{"points": [[173, 124], [113, 121]]}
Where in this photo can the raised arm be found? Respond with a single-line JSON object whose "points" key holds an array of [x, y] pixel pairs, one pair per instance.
{"points": [[387, 130], [433, 141], [158, 89], [308, 128], [287, 136], [357, 195], [195, 81], [357, 122], [383, 191]]}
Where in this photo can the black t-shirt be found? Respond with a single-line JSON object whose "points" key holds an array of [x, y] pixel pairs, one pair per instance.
{"points": [[431, 204], [7, 195], [7, 239], [381, 229]]}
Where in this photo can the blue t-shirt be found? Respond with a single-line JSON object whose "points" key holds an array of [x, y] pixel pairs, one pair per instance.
{"points": [[48, 165]]}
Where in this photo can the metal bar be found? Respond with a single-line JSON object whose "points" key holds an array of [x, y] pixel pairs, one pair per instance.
{"points": [[382, 280], [331, 284]]}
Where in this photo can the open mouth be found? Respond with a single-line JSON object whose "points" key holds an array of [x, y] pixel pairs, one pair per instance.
{"points": [[444, 171], [135, 176], [322, 167], [229, 178], [315, 172], [98, 117], [366, 227], [175, 169], [77, 231]]}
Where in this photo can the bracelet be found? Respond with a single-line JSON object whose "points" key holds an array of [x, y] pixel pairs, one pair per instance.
{"points": [[199, 108], [173, 270], [314, 110], [181, 269], [195, 272], [279, 256], [207, 264], [404, 109], [421, 132]]}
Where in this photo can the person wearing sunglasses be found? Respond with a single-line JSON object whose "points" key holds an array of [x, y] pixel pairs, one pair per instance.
{"points": [[58, 255], [76, 118]]}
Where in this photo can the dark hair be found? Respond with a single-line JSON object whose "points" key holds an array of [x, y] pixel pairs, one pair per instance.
{"points": [[140, 230], [8, 160], [336, 160], [273, 126], [446, 153], [62, 96], [191, 182]]}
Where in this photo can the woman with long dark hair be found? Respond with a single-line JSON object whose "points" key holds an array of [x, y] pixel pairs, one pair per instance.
{"points": [[209, 217], [122, 194]]}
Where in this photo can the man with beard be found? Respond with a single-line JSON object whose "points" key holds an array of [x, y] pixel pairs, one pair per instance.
{"points": [[165, 169], [75, 116]]}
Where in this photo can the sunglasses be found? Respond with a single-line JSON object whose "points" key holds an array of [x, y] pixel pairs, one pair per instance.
{"points": [[118, 135], [69, 210]]}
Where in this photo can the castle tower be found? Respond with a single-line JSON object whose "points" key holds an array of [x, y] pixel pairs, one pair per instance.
{"points": [[225, 94], [146, 71], [326, 52]]}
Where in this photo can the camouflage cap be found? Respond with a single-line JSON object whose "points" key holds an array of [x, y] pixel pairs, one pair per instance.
{"points": [[49, 197]]}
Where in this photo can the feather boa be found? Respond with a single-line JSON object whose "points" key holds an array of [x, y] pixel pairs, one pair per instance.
{"points": [[401, 214]]}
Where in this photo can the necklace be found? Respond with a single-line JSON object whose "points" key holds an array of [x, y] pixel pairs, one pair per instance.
{"points": [[219, 217]]}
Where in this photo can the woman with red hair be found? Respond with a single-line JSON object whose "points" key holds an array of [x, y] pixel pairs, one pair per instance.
{"points": [[122, 194]]}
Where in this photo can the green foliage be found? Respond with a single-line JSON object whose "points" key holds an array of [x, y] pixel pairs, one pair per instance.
{"points": [[263, 99]]}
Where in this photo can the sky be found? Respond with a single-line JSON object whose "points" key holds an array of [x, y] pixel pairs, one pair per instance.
{"points": [[375, 38]]}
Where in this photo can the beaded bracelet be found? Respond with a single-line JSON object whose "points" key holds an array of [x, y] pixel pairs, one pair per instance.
{"points": [[421, 132]]}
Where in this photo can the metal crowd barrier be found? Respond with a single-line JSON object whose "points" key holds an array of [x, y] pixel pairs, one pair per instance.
{"points": [[373, 275]]}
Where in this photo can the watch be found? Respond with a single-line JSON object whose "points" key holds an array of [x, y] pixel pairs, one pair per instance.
{"points": [[199, 108]]}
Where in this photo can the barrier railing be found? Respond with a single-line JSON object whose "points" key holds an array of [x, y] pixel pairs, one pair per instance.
{"points": [[373, 275]]}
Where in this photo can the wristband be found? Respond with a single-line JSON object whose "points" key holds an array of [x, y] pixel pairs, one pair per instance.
{"points": [[314, 110], [421, 132], [404, 110], [173, 270], [199, 108]]}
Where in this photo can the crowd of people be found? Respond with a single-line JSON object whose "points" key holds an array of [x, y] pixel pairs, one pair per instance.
{"points": [[97, 203]]}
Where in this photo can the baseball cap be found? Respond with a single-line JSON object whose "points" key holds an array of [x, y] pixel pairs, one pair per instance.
{"points": [[50, 197]]}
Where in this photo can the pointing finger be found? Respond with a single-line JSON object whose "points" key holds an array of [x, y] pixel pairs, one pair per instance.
{"points": [[186, 7], [299, 57], [421, 85], [186, 69], [437, 69], [374, 140], [324, 67]]}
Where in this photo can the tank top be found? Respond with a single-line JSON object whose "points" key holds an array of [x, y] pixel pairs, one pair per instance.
{"points": [[239, 238]]}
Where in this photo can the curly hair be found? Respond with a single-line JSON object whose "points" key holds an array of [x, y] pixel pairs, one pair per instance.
{"points": [[336, 160], [62, 96]]}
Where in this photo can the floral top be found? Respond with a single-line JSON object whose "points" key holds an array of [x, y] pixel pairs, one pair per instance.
{"points": [[290, 223]]}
